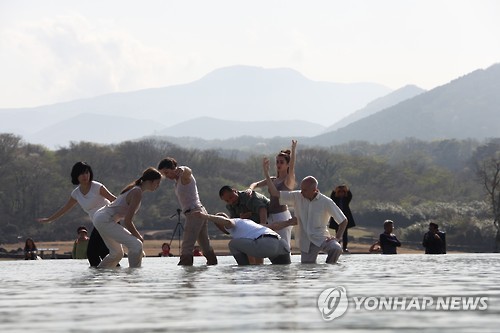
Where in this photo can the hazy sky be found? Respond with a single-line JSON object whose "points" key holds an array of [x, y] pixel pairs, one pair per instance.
{"points": [[60, 50]]}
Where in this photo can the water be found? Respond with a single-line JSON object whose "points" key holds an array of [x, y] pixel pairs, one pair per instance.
{"points": [[67, 296]]}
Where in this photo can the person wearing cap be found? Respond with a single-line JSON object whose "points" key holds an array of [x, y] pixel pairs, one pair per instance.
{"points": [[81, 244], [250, 239]]}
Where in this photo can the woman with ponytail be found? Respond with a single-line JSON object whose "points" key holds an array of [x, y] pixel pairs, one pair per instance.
{"points": [[284, 181], [123, 210]]}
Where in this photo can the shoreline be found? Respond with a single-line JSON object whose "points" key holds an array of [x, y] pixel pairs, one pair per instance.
{"points": [[153, 247]]}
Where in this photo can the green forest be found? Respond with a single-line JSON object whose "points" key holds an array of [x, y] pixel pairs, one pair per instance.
{"points": [[411, 182]]}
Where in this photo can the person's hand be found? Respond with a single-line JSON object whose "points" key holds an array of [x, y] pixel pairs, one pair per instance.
{"points": [[248, 191], [294, 144], [178, 172], [43, 220], [265, 165], [293, 221], [329, 239]]}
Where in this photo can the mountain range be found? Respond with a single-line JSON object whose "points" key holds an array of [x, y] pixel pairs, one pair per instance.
{"points": [[237, 94], [270, 104], [467, 107]]}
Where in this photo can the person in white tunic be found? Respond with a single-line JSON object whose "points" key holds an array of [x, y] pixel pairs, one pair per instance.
{"points": [[91, 196], [123, 210], [313, 211]]}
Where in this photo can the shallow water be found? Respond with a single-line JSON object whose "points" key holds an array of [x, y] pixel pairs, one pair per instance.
{"points": [[68, 296]]}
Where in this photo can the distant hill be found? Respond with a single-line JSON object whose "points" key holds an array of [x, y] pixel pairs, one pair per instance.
{"points": [[211, 128], [379, 104], [237, 93], [94, 128], [468, 107]]}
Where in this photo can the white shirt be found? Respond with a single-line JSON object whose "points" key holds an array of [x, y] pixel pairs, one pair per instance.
{"points": [[244, 228], [91, 201], [313, 217]]}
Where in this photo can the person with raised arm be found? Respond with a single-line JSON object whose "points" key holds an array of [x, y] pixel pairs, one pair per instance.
{"points": [[283, 181]]}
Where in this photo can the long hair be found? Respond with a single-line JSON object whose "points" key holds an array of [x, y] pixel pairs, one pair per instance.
{"points": [[26, 248], [148, 174]]}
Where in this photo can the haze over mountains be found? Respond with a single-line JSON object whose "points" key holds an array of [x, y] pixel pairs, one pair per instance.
{"points": [[238, 93], [266, 103]]}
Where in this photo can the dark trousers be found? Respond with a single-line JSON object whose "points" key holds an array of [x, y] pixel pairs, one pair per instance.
{"points": [[345, 239], [97, 249]]}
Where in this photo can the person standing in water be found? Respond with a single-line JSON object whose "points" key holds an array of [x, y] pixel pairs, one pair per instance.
{"points": [[91, 196], [196, 226], [123, 210], [283, 181]]}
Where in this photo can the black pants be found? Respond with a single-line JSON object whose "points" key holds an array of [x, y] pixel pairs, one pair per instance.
{"points": [[345, 239], [97, 249]]}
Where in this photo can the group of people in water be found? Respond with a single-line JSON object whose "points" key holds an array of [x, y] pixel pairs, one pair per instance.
{"points": [[260, 227]]}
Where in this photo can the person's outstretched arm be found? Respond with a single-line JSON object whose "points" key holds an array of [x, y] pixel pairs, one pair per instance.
{"points": [[283, 224], [60, 212], [219, 220], [134, 199]]}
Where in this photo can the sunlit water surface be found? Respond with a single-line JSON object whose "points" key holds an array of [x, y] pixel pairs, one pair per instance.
{"points": [[68, 296]]}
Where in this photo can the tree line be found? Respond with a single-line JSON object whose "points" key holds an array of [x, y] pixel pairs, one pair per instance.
{"points": [[411, 182]]}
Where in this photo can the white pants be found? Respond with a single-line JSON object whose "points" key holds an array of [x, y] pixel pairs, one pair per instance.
{"points": [[285, 233], [114, 235]]}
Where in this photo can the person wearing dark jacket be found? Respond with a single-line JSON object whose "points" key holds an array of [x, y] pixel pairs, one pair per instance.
{"points": [[342, 197], [434, 240]]}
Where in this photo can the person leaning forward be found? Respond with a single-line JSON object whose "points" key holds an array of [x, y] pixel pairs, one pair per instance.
{"points": [[245, 204], [251, 239]]}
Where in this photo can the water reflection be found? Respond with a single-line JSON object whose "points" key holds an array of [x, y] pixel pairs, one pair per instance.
{"points": [[67, 295]]}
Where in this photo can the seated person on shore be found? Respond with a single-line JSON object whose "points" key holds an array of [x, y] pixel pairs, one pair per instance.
{"points": [[165, 251], [388, 242], [251, 239], [81, 244], [30, 250], [434, 240]]}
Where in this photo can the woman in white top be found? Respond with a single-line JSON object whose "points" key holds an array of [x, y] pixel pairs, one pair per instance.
{"points": [[284, 181], [123, 210], [91, 196]]}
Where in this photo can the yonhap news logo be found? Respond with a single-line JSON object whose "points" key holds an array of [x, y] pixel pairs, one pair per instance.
{"points": [[333, 303]]}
